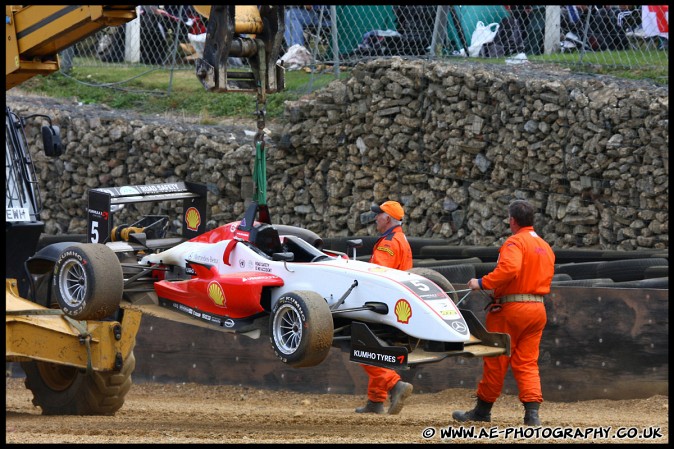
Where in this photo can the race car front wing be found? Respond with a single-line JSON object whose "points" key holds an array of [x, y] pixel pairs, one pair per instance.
{"points": [[368, 349]]}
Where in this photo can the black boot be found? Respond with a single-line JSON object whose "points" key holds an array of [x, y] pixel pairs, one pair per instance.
{"points": [[531, 414], [481, 412], [371, 407]]}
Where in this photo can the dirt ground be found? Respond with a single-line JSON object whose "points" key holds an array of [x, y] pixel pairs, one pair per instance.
{"points": [[191, 413]]}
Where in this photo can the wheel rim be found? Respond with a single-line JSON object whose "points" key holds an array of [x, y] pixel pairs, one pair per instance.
{"points": [[57, 377], [287, 329], [73, 283]]}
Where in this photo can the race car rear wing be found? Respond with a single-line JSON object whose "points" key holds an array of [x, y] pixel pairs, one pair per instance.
{"points": [[105, 201]]}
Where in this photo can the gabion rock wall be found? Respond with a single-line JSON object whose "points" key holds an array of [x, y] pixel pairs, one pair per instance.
{"points": [[455, 143]]}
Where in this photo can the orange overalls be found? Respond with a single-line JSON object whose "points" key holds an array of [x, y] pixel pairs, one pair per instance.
{"points": [[391, 250], [525, 265]]}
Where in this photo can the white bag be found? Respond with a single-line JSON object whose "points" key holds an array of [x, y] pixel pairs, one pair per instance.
{"points": [[482, 35], [296, 57]]}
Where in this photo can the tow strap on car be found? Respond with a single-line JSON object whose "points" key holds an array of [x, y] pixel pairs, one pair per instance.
{"points": [[260, 174], [260, 167], [80, 326]]}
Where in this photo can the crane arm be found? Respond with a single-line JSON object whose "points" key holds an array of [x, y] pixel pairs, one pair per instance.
{"points": [[35, 34]]}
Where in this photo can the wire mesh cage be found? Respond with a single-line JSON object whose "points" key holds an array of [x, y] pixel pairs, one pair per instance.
{"points": [[171, 37]]}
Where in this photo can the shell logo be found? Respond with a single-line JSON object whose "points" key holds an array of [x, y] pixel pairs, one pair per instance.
{"points": [[216, 293], [403, 311], [192, 218], [377, 269]]}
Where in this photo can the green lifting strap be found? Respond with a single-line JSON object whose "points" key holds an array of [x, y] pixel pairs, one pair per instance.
{"points": [[260, 175]]}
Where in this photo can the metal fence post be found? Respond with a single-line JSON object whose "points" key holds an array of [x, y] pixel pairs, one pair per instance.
{"points": [[335, 40], [552, 29]]}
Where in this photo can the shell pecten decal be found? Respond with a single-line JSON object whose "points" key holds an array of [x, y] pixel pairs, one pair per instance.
{"points": [[403, 311], [216, 293], [192, 219]]}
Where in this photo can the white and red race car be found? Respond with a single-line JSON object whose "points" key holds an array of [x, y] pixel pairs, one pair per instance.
{"points": [[255, 278]]}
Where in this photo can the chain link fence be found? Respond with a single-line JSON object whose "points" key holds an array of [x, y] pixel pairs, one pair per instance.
{"points": [[170, 37]]}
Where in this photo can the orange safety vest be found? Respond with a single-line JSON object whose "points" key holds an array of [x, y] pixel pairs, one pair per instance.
{"points": [[393, 250], [526, 264]]}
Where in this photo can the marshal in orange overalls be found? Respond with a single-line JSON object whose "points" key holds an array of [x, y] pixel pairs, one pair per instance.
{"points": [[391, 250], [525, 265]]}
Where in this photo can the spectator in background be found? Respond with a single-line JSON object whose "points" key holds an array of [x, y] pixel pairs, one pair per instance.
{"points": [[531, 19], [596, 27], [298, 17], [509, 40]]}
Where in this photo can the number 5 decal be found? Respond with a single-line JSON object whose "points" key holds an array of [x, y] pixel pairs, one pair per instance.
{"points": [[94, 232], [420, 285], [99, 216]]}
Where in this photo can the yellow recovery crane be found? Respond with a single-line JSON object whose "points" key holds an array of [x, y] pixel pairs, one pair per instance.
{"points": [[83, 367]]}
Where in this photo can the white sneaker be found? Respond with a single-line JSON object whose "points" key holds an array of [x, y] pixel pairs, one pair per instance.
{"points": [[567, 45], [637, 32], [572, 37]]}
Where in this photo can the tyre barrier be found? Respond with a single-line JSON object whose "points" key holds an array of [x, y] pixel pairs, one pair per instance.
{"points": [[575, 255], [583, 282], [339, 244], [572, 264], [580, 270], [561, 277], [305, 234], [416, 243], [636, 254], [662, 255], [578, 255], [436, 263], [486, 253], [457, 274], [484, 268], [442, 252], [628, 269], [657, 283], [657, 271]]}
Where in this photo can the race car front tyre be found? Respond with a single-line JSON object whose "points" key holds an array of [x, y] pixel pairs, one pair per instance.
{"points": [[88, 281], [301, 329], [64, 390], [438, 279]]}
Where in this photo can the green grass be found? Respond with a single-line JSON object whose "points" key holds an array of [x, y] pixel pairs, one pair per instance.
{"points": [[151, 91], [653, 65], [155, 92]]}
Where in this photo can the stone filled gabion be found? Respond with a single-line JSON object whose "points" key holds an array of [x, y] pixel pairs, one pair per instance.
{"points": [[453, 142]]}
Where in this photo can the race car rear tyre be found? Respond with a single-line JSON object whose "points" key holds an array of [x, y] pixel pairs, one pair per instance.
{"points": [[88, 281], [438, 279], [301, 329], [64, 390]]}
